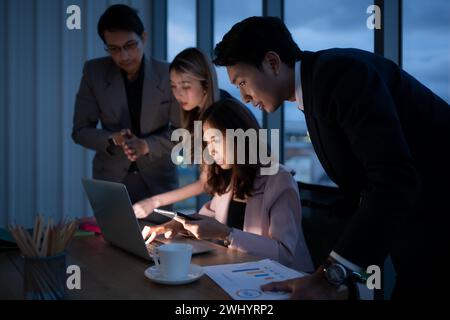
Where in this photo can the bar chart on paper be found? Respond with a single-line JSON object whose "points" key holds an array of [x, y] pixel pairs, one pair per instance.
{"points": [[243, 281]]}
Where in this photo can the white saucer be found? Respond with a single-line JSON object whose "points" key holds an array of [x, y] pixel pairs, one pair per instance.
{"points": [[195, 272]]}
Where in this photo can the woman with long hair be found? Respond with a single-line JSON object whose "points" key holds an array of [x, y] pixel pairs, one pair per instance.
{"points": [[250, 211], [194, 84]]}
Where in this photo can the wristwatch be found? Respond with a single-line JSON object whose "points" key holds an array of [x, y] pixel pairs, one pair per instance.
{"points": [[335, 273], [338, 274], [111, 146]]}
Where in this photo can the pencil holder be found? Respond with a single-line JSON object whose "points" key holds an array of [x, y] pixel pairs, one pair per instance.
{"points": [[45, 277]]}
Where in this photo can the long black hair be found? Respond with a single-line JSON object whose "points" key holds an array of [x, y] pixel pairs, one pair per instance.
{"points": [[231, 114]]}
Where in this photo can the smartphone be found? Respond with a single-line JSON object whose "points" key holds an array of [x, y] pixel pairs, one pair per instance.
{"points": [[173, 214]]}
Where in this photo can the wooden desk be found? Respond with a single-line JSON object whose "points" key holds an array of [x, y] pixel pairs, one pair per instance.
{"points": [[110, 273]]}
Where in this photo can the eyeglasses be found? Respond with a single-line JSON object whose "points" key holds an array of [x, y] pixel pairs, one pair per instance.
{"points": [[129, 46]]}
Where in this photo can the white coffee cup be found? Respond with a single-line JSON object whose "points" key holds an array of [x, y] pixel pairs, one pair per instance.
{"points": [[173, 260]]}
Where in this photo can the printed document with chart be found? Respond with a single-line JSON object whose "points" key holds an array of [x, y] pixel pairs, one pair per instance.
{"points": [[243, 281]]}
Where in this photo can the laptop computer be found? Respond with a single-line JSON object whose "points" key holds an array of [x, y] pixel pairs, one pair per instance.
{"points": [[115, 215]]}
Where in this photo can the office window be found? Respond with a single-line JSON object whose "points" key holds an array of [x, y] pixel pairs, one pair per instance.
{"points": [[226, 14], [317, 25], [181, 28], [181, 34], [426, 44]]}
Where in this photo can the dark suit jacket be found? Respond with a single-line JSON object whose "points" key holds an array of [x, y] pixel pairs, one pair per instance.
{"points": [[383, 136], [102, 98]]}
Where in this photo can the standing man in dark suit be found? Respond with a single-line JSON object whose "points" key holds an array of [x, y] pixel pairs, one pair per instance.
{"points": [[130, 95], [381, 136]]}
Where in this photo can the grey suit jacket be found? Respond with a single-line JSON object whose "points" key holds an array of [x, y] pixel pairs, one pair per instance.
{"points": [[102, 97]]}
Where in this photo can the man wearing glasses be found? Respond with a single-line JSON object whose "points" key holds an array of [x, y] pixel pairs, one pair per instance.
{"points": [[130, 95]]}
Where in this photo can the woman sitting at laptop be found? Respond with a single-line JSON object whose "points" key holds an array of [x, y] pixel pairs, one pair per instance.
{"points": [[251, 210]]}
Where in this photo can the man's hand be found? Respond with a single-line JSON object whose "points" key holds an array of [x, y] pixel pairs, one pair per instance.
{"points": [[311, 287], [206, 228], [119, 138], [135, 148]]}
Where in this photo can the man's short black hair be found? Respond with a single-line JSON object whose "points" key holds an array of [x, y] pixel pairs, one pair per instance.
{"points": [[248, 42], [120, 17]]}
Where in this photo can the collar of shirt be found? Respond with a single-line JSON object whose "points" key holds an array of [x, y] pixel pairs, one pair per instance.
{"points": [[298, 85]]}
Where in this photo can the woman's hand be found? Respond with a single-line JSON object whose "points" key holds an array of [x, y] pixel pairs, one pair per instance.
{"points": [[169, 229], [206, 228], [143, 208]]}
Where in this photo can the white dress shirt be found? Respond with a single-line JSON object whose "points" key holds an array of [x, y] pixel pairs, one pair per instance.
{"points": [[298, 85]]}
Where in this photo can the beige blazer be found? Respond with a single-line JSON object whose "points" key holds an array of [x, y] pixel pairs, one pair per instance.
{"points": [[272, 224]]}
